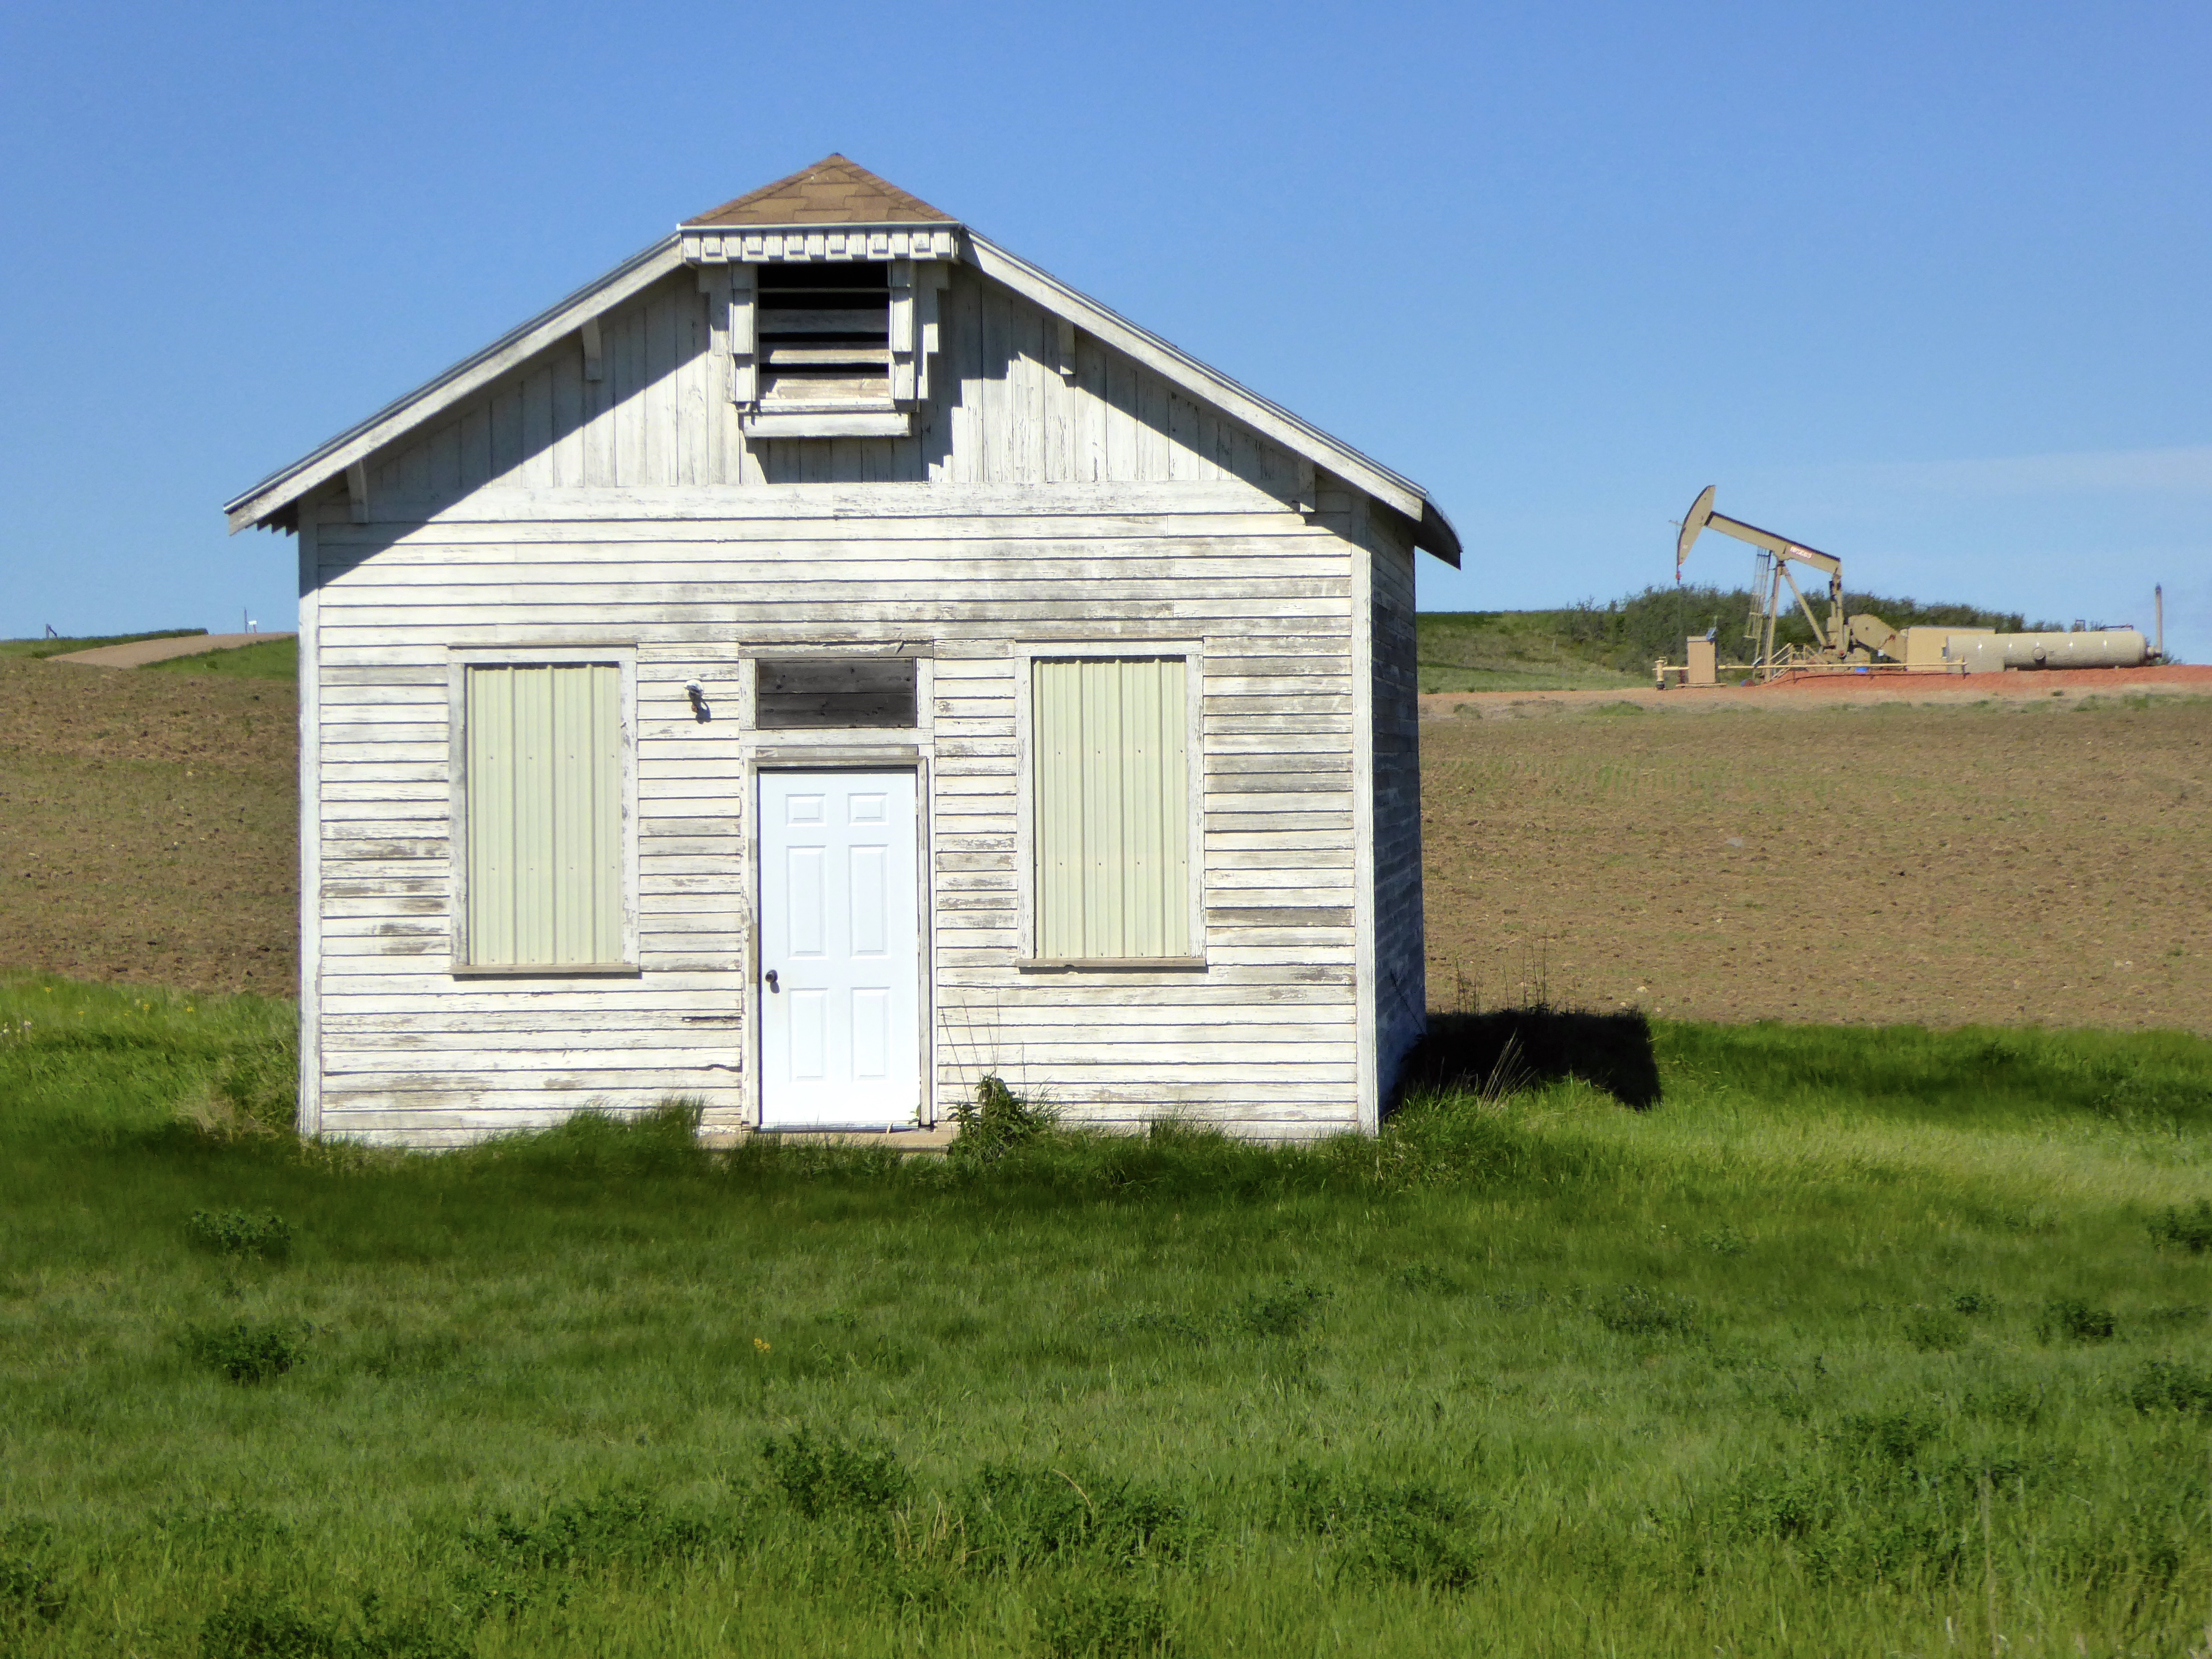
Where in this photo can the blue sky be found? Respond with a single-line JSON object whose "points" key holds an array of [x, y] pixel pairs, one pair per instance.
{"points": [[1922, 284]]}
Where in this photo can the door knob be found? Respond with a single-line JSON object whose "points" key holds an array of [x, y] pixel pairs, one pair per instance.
{"points": [[771, 979]]}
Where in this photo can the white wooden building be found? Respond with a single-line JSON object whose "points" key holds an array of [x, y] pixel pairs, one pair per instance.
{"points": [[826, 659]]}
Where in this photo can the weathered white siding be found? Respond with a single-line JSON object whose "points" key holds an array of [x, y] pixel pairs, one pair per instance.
{"points": [[1263, 1037], [660, 417], [1400, 971], [1029, 510]]}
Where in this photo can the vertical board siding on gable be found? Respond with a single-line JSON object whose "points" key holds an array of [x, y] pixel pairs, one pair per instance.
{"points": [[1264, 1040], [1401, 989], [660, 417]]}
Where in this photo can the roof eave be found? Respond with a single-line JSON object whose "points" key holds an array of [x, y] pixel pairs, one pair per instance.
{"points": [[276, 493]]}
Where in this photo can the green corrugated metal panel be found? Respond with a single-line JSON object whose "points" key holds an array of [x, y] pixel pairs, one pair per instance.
{"points": [[1113, 823], [544, 813]]}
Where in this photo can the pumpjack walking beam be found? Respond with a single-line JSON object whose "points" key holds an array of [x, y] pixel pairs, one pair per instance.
{"points": [[1834, 633]]}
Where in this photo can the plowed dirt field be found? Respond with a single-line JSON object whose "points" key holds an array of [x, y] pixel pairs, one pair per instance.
{"points": [[2037, 858], [148, 823]]}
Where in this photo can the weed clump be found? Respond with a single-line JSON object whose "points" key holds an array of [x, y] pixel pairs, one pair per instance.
{"points": [[1723, 1240], [1104, 1621], [613, 1527], [2069, 1319], [1934, 1330], [1412, 1532], [1427, 1277], [262, 1627], [1892, 1436], [1158, 1324], [1288, 1310], [1632, 1310], [2189, 1230], [1408, 1532], [510, 1563], [2006, 1402], [2168, 1385], [1021, 1516], [269, 1628], [994, 1123], [825, 1474], [264, 1237], [247, 1350], [28, 1586]]}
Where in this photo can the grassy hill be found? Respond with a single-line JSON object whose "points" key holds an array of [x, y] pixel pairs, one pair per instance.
{"points": [[1590, 646], [1856, 1342]]}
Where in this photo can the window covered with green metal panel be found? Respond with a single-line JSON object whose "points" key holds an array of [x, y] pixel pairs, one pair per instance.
{"points": [[543, 814], [1112, 808]]}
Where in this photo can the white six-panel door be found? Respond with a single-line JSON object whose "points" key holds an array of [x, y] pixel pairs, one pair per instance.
{"points": [[840, 950]]}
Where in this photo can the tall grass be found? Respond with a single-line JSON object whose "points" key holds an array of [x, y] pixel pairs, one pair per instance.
{"points": [[1860, 1341]]}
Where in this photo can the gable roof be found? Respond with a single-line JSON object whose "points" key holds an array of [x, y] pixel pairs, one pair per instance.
{"points": [[837, 185], [835, 191]]}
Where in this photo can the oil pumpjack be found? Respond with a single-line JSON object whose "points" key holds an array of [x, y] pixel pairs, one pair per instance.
{"points": [[1843, 642]]}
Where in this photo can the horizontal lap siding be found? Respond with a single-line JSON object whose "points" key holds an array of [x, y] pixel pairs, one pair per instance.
{"points": [[1262, 1041], [411, 1053]]}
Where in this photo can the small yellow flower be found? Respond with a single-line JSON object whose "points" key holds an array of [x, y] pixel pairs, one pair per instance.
{"points": [[761, 1344]]}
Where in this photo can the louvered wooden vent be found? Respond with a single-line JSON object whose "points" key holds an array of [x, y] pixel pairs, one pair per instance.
{"points": [[824, 333]]}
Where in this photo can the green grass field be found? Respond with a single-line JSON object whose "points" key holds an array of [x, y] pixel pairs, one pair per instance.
{"points": [[1861, 1342], [271, 659]]}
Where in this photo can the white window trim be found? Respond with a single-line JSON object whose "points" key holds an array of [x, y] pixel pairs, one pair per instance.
{"points": [[1025, 658], [458, 660]]}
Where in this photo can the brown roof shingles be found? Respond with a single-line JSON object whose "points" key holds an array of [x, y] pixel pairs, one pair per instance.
{"points": [[833, 191]]}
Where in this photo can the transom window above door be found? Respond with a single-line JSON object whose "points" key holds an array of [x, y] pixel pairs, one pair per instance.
{"points": [[823, 693]]}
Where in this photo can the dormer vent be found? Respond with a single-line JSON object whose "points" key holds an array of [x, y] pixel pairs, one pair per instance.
{"points": [[822, 335]]}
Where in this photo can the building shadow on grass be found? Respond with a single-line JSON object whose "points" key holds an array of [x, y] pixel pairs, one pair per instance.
{"points": [[1527, 1048]]}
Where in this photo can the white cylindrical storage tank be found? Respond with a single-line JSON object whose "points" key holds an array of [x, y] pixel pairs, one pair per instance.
{"points": [[2101, 647]]}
